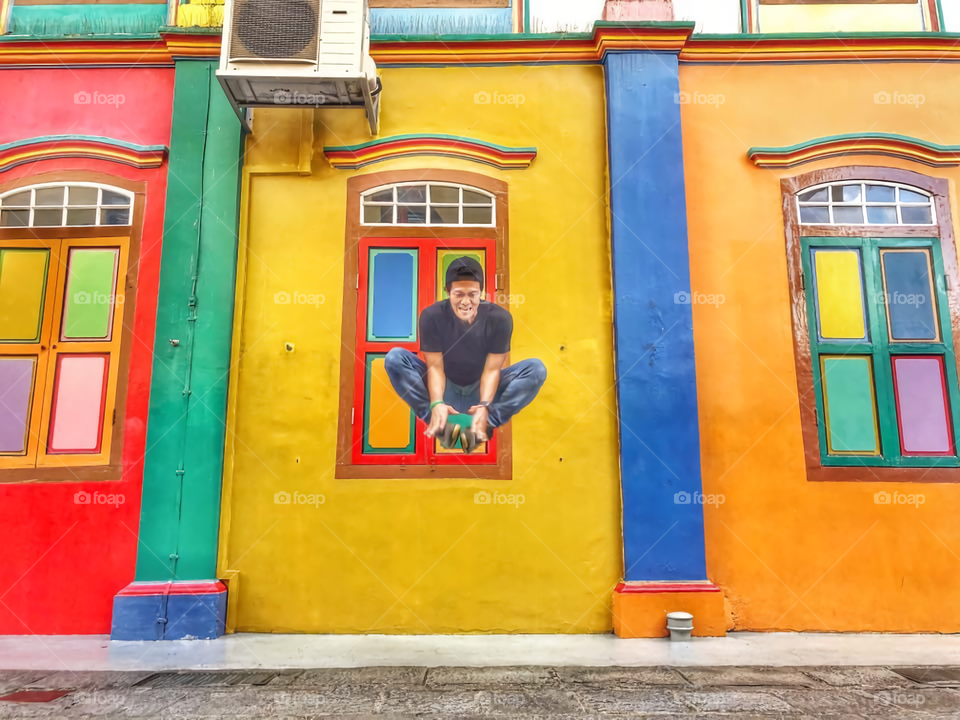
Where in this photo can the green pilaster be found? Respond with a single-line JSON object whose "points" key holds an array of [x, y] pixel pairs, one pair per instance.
{"points": [[185, 432]]}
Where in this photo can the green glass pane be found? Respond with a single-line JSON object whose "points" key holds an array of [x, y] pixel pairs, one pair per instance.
{"points": [[88, 305], [850, 406]]}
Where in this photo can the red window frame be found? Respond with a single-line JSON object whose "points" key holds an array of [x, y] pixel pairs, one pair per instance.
{"points": [[427, 248], [359, 238]]}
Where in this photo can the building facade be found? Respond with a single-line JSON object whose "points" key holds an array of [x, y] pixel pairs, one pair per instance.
{"points": [[733, 253]]}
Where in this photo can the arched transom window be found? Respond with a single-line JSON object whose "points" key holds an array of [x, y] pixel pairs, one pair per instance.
{"points": [[66, 205], [865, 203], [427, 204]]}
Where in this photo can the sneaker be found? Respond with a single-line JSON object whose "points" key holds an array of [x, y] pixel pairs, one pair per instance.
{"points": [[451, 433], [469, 440]]}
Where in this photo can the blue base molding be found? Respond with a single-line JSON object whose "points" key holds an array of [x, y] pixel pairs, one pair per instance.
{"points": [[170, 611]]}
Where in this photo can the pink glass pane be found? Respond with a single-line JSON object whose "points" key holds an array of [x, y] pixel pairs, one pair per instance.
{"points": [[78, 404], [922, 406]]}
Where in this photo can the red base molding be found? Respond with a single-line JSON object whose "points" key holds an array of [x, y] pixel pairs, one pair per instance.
{"points": [[640, 609]]}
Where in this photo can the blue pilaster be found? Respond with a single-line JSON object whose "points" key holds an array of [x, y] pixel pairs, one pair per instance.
{"points": [[657, 392]]}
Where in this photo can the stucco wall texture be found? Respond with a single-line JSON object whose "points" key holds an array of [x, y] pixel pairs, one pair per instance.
{"points": [[788, 553], [419, 556]]}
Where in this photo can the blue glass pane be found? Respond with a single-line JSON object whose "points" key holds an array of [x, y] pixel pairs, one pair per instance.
{"points": [[393, 295], [911, 308]]}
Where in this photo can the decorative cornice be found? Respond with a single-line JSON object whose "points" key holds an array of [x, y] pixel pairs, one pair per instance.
{"points": [[52, 147], [899, 146], [195, 44], [530, 49], [92, 52], [841, 47], [354, 157]]}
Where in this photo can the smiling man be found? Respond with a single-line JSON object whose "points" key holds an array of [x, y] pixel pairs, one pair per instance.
{"points": [[465, 341]]}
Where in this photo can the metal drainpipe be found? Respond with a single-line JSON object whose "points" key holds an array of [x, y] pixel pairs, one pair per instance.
{"points": [[191, 336]]}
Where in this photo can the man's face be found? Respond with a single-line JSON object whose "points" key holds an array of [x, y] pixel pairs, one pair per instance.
{"points": [[465, 298]]}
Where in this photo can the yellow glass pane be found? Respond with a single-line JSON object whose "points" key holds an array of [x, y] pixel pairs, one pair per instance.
{"points": [[23, 280], [389, 415], [839, 295], [811, 17]]}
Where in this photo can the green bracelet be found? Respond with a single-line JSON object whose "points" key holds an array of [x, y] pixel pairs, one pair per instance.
{"points": [[434, 404]]}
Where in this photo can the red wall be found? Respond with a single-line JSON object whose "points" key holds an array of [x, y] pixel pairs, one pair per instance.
{"points": [[64, 562]]}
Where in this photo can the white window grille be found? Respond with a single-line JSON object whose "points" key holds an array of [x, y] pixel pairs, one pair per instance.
{"points": [[66, 205], [428, 204], [865, 203]]}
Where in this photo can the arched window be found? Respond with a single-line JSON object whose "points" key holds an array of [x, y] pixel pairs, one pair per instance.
{"points": [[69, 247], [428, 204], [404, 229], [872, 273], [66, 205], [865, 203]]}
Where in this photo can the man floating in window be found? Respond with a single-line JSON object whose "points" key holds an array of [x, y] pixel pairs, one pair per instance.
{"points": [[465, 341]]}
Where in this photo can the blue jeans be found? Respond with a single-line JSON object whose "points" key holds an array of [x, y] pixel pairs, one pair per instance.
{"points": [[519, 385]]}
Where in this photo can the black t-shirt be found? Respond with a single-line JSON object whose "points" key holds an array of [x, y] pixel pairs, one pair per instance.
{"points": [[465, 347]]}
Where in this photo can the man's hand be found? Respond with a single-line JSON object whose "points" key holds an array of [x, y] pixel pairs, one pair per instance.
{"points": [[438, 419], [481, 416]]}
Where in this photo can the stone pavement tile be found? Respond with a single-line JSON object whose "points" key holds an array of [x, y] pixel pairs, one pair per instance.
{"points": [[945, 676], [349, 676], [55, 709], [11, 680], [525, 702], [268, 703], [734, 701], [120, 702], [628, 700], [747, 677], [437, 677], [621, 675], [916, 701], [83, 680], [863, 677], [834, 702]]}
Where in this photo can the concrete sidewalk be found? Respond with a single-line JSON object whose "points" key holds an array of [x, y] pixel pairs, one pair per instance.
{"points": [[253, 651], [522, 692]]}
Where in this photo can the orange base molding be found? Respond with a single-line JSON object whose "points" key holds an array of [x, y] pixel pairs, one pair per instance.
{"points": [[640, 609]]}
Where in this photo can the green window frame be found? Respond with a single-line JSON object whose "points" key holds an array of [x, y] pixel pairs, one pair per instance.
{"points": [[880, 349]]}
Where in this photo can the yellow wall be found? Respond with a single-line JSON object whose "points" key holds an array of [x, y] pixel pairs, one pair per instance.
{"points": [[420, 556], [790, 554]]}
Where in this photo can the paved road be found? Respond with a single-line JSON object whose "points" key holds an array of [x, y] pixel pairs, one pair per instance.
{"points": [[529, 692]]}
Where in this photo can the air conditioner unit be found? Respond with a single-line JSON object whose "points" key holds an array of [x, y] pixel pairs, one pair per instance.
{"points": [[299, 53]]}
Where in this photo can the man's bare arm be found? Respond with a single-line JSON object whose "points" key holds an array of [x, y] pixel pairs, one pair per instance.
{"points": [[489, 382]]}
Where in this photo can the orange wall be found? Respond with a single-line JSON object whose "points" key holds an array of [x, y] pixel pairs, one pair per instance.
{"points": [[789, 554]]}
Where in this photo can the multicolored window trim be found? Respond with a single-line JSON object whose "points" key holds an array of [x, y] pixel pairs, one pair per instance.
{"points": [[378, 436], [66, 309], [877, 378]]}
